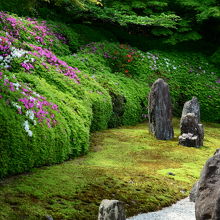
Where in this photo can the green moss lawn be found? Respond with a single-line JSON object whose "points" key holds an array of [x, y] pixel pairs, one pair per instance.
{"points": [[125, 163]]}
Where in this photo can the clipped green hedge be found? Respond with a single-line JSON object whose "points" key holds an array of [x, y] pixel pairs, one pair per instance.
{"points": [[188, 74], [69, 138], [128, 94]]}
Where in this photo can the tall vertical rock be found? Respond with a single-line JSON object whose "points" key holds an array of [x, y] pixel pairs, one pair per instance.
{"points": [[192, 106], [192, 133], [160, 111], [207, 196], [111, 210]]}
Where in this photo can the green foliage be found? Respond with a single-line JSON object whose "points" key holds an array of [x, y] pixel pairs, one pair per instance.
{"points": [[21, 7], [128, 95], [211, 12], [79, 35], [47, 145], [215, 58], [125, 16]]}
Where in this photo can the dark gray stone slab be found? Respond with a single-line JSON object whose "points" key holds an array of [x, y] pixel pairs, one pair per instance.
{"points": [[160, 111], [194, 192], [192, 133], [192, 106], [207, 202]]}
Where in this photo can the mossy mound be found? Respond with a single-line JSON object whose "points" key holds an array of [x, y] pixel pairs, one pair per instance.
{"points": [[124, 163]]}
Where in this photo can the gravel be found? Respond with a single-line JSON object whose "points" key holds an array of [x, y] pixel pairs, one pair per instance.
{"points": [[182, 210]]}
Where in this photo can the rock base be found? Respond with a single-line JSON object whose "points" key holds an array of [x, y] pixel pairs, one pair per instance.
{"points": [[192, 133], [189, 140]]}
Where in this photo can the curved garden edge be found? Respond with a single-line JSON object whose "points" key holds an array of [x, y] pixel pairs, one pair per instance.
{"points": [[125, 163]]}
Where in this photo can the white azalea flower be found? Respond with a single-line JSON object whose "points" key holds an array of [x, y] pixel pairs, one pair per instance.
{"points": [[16, 85], [27, 128], [16, 105], [30, 114]]}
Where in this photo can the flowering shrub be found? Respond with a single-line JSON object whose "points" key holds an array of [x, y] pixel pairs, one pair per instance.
{"points": [[29, 30], [51, 59], [8, 53], [120, 57], [35, 107], [14, 56], [18, 32]]}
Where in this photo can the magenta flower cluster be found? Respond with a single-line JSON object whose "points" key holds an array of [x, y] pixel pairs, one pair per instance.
{"points": [[37, 31], [51, 58], [27, 102], [27, 66], [41, 34]]}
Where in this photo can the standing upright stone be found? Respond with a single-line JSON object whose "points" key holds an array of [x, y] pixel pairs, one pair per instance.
{"points": [[192, 106], [192, 132], [111, 210], [160, 111]]}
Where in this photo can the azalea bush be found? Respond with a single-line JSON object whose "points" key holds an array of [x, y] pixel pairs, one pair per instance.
{"points": [[30, 75], [28, 30], [186, 75], [27, 102], [119, 57]]}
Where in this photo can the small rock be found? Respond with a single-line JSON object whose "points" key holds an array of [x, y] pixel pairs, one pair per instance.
{"points": [[133, 202], [172, 174], [192, 133], [111, 210], [188, 140], [48, 217], [183, 191]]}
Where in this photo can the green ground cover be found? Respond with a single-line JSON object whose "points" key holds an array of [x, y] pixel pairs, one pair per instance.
{"points": [[124, 163]]}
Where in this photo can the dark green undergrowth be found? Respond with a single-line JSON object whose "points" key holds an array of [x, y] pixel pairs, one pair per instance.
{"points": [[126, 164]]}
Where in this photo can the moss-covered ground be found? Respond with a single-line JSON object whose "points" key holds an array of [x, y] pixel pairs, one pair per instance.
{"points": [[125, 163]]}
